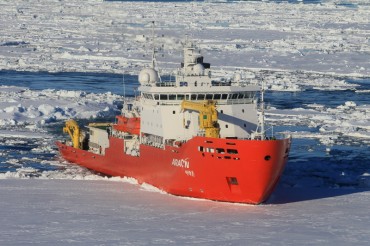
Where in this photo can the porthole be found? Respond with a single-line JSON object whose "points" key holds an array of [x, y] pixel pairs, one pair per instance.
{"points": [[267, 157]]}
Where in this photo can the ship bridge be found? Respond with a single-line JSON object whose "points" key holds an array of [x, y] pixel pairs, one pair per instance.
{"points": [[160, 101]]}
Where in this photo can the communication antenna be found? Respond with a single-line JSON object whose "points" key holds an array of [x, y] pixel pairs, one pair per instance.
{"points": [[153, 51], [124, 84]]}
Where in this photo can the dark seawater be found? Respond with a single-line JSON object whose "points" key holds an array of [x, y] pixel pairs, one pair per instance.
{"points": [[88, 82], [309, 161]]}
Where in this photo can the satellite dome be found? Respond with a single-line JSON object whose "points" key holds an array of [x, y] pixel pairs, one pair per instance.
{"points": [[237, 77], [148, 75], [198, 69]]}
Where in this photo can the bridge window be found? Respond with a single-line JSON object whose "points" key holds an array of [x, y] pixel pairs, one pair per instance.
{"points": [[156, 97], [193, 97], [201, 96], [172, 97], [180, 97], [209, 96], [234, 96], [163, 96], [224, 96], [217, 96]]}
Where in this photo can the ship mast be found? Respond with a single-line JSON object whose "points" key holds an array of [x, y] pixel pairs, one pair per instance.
{"points": [[262, 119], [154, 60], [260, 131]]}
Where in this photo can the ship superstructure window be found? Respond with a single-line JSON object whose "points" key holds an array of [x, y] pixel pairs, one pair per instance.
{"points": [[200, 97], [147, 96], [163, 97]]}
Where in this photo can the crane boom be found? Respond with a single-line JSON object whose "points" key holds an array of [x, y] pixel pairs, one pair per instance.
{"points": [[73, 130], [207, 116]]}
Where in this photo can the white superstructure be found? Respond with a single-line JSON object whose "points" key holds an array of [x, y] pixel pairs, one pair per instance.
{"points": [[163, 120]]}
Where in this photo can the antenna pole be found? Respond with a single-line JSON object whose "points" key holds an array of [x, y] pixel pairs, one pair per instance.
{"points": [[263, 110], [153, 52], [124, 84], [154, 60]]}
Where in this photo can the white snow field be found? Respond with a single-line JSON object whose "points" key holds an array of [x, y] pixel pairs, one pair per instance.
{"points": [[294, 47], [72, 212], [96, 35]]}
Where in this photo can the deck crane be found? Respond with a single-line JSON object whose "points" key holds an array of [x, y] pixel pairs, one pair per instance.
{"points": [[207, 116], [73, 130]]}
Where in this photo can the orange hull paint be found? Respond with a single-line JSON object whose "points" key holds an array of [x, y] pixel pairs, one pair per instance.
{"points": [[247, 172], [129, 125]]}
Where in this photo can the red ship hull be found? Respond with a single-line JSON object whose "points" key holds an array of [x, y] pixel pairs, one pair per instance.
{"points": [[232, 170]]}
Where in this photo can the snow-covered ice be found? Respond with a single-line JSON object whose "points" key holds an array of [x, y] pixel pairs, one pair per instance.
{"points": [[348, 119], [30, 108], [96, 35], [94, 212]]}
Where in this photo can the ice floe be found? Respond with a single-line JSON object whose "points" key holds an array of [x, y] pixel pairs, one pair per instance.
{"points": [[349, 120], [32, 108], [112, 36]]}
